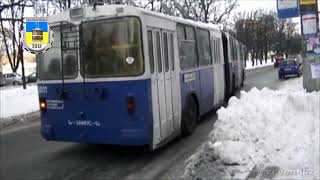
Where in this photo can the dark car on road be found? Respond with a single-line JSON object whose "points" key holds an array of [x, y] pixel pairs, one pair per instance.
{"points": [[32, 77], [288, 68]]}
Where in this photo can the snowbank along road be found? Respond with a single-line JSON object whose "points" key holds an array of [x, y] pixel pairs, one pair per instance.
{"points": [[266, 133]]}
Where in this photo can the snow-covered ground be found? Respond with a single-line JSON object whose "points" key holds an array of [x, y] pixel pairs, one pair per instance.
{"points": [[16, 101], [249, 64], [264, 134]]}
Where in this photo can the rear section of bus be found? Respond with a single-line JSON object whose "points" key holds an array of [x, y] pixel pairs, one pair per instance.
{"points": [[91, 84]]}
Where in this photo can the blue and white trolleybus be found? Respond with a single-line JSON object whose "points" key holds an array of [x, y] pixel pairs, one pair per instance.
{"points": [[127, 76]]}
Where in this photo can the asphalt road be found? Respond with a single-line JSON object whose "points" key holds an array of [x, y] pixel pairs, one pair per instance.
{"points": [[25, 155]]}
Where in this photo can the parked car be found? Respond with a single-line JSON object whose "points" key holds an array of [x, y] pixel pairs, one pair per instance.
{"points": [[288, 68], [2, 80], [32, 77], [13, 78]]}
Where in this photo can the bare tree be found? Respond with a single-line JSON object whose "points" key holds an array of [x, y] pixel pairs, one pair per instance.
{"points": [[262, 32], [209, 11], [12, 14]]}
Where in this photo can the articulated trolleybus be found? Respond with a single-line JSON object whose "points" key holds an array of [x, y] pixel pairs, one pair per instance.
{"points": [[127, 76]]}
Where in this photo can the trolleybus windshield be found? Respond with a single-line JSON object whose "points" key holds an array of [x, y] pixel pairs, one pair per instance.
{"points": [[111, 48]]}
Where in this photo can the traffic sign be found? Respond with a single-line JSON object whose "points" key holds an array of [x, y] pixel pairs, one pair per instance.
{"points": [[307, 2], [288, 8]]}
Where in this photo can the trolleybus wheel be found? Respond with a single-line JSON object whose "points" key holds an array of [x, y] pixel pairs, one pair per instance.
{"points": [[233, 85], [243, 77], [189, 117]]}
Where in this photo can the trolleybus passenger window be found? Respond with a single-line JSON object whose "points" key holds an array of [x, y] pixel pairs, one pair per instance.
{"points": [[190, 33], [151, 54], [187, 49], [158, 52], [204, 47], [213, 41], [217, 51], [165, 49], [172, 52], [231, 48], [181, 32], [234, 50]]}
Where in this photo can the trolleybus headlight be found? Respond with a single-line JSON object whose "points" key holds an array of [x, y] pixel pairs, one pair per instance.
{"points": [[43, 104], [130, 104]]}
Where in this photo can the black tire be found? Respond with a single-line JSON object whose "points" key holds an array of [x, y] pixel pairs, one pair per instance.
{"points": [[189, 117], [233, 86], [243, 78], [280, 77], [15, 83]]}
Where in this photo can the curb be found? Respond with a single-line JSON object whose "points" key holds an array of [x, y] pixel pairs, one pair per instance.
{"points": [[18, 120]]}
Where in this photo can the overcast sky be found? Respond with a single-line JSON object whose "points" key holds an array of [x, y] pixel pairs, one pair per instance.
{"points": [[243, 5], [248, 5]]}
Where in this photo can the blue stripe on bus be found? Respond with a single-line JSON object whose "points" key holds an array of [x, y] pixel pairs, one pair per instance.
{"points": [[207, 89], [109, 109], [201, 86]]}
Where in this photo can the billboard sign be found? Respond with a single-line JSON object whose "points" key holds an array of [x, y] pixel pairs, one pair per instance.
{"points": [[313, 45], [309, 24], [315, 70], [288, 8], [307, 2]]}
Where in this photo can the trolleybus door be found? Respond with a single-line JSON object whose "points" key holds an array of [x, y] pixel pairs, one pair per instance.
{"points": [[154, 87], [168, 80], [161, 85], [175, 82], [161, 80]]}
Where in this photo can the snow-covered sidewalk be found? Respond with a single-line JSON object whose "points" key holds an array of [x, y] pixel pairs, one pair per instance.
{"points": [[264, 134], [16, 101], [249, 64]]}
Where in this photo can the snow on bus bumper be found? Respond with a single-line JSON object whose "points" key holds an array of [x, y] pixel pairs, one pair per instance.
{"points": [[125, 137]]}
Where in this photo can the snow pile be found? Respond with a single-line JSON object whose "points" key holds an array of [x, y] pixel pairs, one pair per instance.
{"points": [[266, 133], [249, 64], [17, 101]]}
